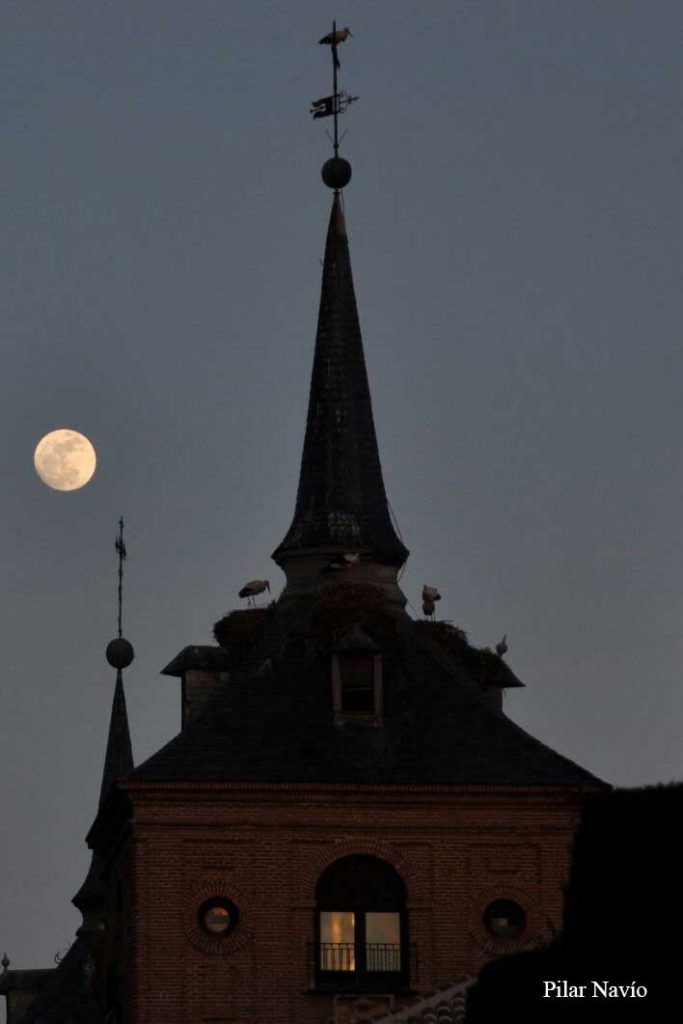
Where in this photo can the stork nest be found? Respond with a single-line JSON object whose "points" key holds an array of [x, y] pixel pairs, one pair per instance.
{"points": [[481, 663], [239, 630], [339, 608]]}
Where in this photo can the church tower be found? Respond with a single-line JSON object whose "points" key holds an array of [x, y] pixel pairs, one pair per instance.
{"points": [[346, 821]]}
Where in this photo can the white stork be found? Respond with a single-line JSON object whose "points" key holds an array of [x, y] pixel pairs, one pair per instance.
{"points": [[341, 562], [502, 647], [251, 589], [428, 608], [333, 39]]}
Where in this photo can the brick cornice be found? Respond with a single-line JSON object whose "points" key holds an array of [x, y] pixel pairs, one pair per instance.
{"points": [[277, 789]]}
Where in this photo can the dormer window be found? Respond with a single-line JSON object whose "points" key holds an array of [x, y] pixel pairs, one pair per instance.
{"points": [[357, 679], [357, 683]]}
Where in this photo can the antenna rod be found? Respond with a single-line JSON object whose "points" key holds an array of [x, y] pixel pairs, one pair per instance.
{"points": [[335, 100], [121, 550]]}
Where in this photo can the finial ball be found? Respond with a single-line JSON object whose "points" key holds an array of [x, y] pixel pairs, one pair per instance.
{"points": [[119, 653], [336, 172]]}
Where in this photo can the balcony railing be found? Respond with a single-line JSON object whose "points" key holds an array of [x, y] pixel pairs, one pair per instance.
{"points": [[333, 966], [383, 956], [341, 956], [337, 956]]}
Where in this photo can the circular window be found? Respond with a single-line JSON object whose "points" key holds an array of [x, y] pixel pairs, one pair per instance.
{"points": [[218, 917], [504, 919]]}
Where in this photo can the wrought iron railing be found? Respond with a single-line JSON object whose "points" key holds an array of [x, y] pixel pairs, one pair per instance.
{"points": [[337, 956], [383, 956], [341, 956], [328, 960]]}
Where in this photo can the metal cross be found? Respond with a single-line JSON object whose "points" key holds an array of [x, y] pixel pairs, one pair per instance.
{"points": [[122, 553]]}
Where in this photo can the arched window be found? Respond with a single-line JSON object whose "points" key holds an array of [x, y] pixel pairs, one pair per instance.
{"points": [[362, 926]]}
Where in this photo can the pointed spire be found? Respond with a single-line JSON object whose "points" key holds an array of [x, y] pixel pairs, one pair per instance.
{"points": [[118, 762], [118, 759], [341, 501]]}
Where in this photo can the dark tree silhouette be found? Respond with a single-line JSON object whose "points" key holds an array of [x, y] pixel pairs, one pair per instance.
{"points": [[622, 921]]}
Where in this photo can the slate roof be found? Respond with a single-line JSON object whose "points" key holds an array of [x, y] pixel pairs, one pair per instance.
{"points": [[275, 721], [66, 997], [341, 501], [21, 988], [118, 758], [118, 762], [213, 659]]}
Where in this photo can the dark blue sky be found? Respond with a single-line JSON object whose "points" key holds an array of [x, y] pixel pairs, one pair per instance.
{"points": [[516, 243]]}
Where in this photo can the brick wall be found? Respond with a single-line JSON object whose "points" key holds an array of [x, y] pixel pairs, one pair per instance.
{"points": [[265, 847]]}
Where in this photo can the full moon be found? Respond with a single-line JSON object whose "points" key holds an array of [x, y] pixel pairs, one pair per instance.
{"points": [[65, 460]]}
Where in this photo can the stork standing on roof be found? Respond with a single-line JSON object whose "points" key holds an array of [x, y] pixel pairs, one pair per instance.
{"points": [[251, 589], [430, 595]]}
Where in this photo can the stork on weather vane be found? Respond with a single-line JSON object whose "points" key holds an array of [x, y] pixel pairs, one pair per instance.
{"points": [[337, 103]]}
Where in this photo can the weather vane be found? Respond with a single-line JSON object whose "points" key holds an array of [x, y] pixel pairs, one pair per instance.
{"points": [[120, 652], [336, 172]]}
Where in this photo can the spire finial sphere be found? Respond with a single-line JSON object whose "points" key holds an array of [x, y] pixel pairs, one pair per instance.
{"points": [[336, 172], [119, 653]]}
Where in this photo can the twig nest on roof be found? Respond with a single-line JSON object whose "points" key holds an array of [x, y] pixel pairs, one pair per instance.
{"points": [[484, 666], [346, 606], [238, 631]]}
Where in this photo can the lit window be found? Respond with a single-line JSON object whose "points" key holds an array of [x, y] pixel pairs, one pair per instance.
{"points": [[337, 940], [218, 916], [382, 941], [362, 925], [217, 919], [504, 919]]}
